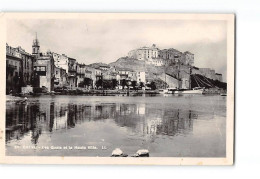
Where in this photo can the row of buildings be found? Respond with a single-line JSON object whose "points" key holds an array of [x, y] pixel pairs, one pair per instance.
{"points": [[50, 70]]}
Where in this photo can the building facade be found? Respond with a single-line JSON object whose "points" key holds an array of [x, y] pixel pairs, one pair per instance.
{"points": [[44, 71], [141, 77], [170, 54], [72, 73], [144, 53], [13, 70], [61, 61], [60, 80], [80, 74], [27, 67]]}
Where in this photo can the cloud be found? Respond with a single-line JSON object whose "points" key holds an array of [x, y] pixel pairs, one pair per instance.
{"points": [[107, 40]]}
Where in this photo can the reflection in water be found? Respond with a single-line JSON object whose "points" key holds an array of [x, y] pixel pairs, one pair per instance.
{"points": [[173, 126], [143, 119]]}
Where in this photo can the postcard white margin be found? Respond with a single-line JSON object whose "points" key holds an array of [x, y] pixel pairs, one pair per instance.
{"points": [[228, 160]]}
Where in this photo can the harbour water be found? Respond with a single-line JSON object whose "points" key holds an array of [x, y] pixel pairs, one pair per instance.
{"points": [[166, 125]]}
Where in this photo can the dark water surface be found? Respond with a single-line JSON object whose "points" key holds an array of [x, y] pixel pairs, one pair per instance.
{"points": [[168, 126]]}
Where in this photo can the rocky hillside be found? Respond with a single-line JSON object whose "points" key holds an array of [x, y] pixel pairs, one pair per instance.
{"points": [[170, 73], [131, 63], [202, 81]]}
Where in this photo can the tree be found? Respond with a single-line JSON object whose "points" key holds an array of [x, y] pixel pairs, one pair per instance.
{"points": [[124, 83], [107, 84], [114, 83], [88, 81], [141, 84], [152, 85], [99, 83], [134, 84]]}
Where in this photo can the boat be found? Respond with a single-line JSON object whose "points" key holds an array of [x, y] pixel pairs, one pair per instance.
{"points": [[163, 91], [223, 94], [167, 91], [171, 90], [196, 90]]}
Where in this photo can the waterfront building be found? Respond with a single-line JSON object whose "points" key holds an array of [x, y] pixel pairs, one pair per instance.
{"points": [[61, 61], [13, 70], [80, 74], [27, 67], [44, 72], [72, 73], [88, 81], [60, 79], [43, 68], [132, 75], [144, 53], [90, 73], [124, 71], [98, 76], [141, 77], [96, 73], [107, 75]]}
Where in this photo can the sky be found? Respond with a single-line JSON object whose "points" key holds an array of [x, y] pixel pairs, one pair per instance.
{"points": [[91, 41]]}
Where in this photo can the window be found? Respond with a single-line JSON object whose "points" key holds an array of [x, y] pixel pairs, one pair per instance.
{"points": [[39, 68]]}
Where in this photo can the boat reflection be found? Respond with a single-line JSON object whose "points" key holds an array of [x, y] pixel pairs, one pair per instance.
{"points": [[145, 120]]}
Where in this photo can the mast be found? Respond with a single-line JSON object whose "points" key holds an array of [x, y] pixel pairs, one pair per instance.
{"points": [[190, 77], [178, 77], [165, 77]]}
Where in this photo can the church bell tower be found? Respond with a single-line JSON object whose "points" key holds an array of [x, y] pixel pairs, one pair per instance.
{"points": [[36, 47]]}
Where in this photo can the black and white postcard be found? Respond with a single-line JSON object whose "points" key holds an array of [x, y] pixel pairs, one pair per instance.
{"points": [[117, 88]]}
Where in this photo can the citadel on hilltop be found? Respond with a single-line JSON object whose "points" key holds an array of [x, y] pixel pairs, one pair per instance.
{"points": [[171, 57], [143, 68], [157, 57]]}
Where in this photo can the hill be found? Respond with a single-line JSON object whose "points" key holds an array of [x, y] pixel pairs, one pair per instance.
{"points": [[168, 74]]}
